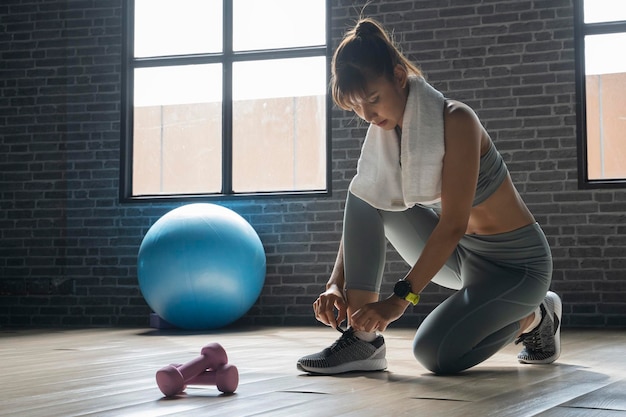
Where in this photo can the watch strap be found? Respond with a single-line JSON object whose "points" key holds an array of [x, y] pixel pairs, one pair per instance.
{"points": [[412, 298]]}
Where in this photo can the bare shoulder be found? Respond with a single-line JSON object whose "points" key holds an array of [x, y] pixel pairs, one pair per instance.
{"points": [[458, 113], [461, 123]]}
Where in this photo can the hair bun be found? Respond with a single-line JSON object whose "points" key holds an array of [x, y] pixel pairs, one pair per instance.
{"points": [[366, 27]]}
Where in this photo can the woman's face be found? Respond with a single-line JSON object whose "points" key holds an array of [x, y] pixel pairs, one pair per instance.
{"points": [[384, 102]]}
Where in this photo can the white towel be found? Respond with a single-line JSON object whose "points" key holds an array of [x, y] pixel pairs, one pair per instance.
{"points": [[395, 174]]}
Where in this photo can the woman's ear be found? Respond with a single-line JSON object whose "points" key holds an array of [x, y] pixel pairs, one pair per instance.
{"points": [[401, 75]]}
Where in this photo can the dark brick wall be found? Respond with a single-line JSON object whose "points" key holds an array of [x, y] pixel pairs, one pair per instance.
{"points": [[68, 247]]}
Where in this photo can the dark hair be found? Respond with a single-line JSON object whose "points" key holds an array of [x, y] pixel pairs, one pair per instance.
{"points": [[366, 52]]}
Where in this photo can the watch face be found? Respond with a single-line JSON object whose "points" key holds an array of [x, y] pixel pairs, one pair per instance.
{"points": [[402, 288]]}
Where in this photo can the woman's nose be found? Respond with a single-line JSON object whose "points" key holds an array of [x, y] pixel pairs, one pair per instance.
{"points": [[368, 115]]}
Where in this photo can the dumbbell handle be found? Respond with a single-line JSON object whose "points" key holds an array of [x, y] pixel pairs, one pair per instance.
{"points": [[226, 379], [171, 379], [212, 356]]}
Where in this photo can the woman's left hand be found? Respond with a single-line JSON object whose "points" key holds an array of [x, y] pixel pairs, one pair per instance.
{"points": [[377, 316]]}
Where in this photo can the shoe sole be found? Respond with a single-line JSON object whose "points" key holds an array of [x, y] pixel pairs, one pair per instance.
{"points": [[365, 365], [558, 312]]}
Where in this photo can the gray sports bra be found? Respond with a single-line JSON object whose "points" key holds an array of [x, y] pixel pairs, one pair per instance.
{"points": [[491, 173]]}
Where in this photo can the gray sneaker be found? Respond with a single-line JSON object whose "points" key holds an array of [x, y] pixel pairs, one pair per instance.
{"points": [[347, 354], [543, 344]]}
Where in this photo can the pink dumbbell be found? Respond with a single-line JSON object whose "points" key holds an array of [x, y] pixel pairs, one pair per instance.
{"points": [[172, 380], [225, 378]]}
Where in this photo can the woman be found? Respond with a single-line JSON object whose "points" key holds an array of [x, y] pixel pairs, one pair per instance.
{"points": [[430, 181]]}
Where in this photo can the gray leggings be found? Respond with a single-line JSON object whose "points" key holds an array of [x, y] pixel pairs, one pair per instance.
{"points": [[500, 279]]}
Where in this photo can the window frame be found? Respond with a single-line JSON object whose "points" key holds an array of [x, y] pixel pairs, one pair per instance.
{"points": [[227, 57], [582, 29]]}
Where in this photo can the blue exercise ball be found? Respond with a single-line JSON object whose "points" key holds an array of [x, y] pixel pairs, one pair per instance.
{"points": [[201, 266]]}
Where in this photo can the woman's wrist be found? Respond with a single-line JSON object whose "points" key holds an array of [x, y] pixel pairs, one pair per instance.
{"points": [[334, 287], [335, 282], [400, 302]]}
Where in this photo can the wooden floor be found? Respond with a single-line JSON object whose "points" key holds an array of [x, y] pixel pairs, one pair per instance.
{"points": [[104, 372]]}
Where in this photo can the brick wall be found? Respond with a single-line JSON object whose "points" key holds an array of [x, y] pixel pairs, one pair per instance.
{"points": [[68, 247]]}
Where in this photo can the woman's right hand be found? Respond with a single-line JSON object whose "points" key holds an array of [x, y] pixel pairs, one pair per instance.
{"points": [[325, 305]]}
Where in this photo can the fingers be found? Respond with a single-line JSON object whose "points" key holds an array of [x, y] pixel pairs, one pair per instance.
{"points": [[342, 315], [322, 313], [361, 320], [342, 311], [367, 320], [324, 308]]}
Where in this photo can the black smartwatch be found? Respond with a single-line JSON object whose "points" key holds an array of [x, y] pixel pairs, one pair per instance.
{"points": [[403, 290]]}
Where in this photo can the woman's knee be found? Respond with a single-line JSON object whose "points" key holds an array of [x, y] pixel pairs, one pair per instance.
{"points": [[429, 358], [426, 349], [432, 349]]}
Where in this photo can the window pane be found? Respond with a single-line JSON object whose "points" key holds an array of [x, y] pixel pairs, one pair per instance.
{"points": [[603, 53], [289, 24], [279, 125], [166, 27], [604, 10], [605, 90], [177, 138]]}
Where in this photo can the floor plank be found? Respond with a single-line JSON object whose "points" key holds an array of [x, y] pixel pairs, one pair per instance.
{"points": [[580, 412], [610, 397], [111, 372]]}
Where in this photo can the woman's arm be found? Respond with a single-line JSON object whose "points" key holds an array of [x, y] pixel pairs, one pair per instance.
{"points": [[333, 298], [463, 133], [337, 277]]}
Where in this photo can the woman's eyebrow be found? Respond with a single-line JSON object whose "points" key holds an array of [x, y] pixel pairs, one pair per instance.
{"points": [[371, 95]]}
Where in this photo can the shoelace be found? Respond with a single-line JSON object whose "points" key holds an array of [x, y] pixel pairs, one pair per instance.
{"points": [[531, 340], [346, 339]]}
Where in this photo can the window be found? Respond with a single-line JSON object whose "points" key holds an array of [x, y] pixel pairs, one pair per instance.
{"points": [[600, 36], [224, 98]]}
